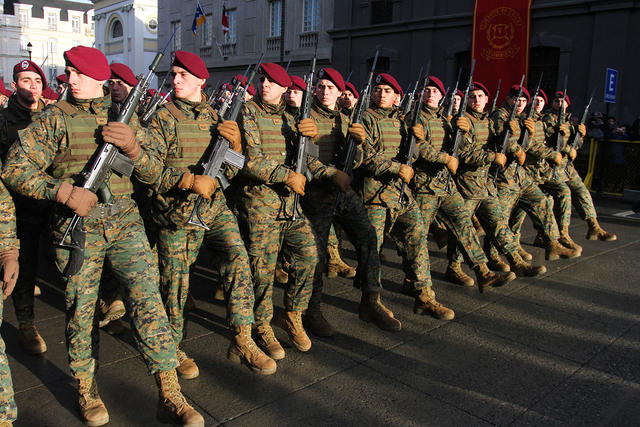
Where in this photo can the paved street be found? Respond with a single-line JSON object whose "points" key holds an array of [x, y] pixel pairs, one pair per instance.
{"points": [[563, 349]]}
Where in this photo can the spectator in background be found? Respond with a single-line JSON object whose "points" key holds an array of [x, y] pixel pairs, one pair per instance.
{"points": [[634, 132]]}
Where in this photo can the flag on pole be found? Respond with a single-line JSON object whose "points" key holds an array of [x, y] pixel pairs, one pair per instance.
{"points": [[198, 19], [225, 21]]}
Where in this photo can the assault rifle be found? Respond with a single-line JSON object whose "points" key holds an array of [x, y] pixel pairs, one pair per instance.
{"points": [[356, 117], [525, 137], [459, 134], [561, 113], [410, 95], [153, 103], [506, 134], [415, 119], [577, 141], [446, 94], [221, 153], [495, 98], [453, 92]]}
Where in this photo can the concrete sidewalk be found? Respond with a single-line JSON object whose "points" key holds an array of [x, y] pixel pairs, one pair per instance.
{"points": [[563, 349]]}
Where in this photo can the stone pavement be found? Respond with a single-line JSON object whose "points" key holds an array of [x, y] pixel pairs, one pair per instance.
{"points": [[563, 349]]}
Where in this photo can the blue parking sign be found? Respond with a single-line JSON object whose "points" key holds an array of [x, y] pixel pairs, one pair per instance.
{"points": [[610, 83]]}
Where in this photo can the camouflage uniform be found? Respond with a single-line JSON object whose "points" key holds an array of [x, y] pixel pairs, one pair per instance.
{"points": [[31, 214], [265, 207], [53, 149], [179, 135], [8, 240]]}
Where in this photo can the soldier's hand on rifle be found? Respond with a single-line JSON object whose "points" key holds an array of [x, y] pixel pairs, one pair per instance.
{"points": [[452, 164], [520, 156], [406, 173], [9, 266], [341, 180], [531, 126], [231, 132], [500, 159], [573, 154], [449, 118], [463, 124], [557, 158], [78, 199], [582, 130], [564, 129], [296, 181], [514, 126], [357, 132], [308, 127], [202, 185], [122, 136], [418, 132]]}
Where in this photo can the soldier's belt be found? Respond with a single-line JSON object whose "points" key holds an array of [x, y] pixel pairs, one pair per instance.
{"points": [[107, 210]]}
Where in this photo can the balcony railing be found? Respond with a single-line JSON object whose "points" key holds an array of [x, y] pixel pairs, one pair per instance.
{"points": [[273, 44], [228, 49], [308, 40]]}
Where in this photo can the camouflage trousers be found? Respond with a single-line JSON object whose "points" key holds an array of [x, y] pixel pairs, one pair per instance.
{"points": [[178, 250], [405, 226], [8, 408], [580, 195], [450, 208], [30, 235], [352, 217], [120, 239], [558, 201], [265, 236]]}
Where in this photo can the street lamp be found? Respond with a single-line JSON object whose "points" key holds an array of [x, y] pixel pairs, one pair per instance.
{"points": [[29, 49]]}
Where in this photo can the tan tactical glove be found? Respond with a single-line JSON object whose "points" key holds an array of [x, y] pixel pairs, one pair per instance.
{"points": [[500, 159], [231, 132], [514, 126], [78, 199], [406, 173], [573, 154], [9, 266], [557, 159], [531, 127], [520, 156], [296, 181], [122, 136], [357, 132], [564, 129], [452, 164], [418, 131], [582, 130], [341, 180], [463, 124], [308, 127], [202, 185]]}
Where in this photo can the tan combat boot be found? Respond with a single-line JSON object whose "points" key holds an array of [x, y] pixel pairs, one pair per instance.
{"points": [[316, 323], [488, 279], [455, 274], [243, 348], [110, 311], [336, 266], [496, 263], [36, 293], [554, 250], [6, 424], [566, 240], [282, 276], [172, 406], [372, 310], [30, 340], [524, 254], [440, 236], [539, 242], [218, 293], [425, 303], [595, 232], [476, 224], [187, 369], [522, 268], [190, 303], [92, 408], [291, 323], [267, 340]]}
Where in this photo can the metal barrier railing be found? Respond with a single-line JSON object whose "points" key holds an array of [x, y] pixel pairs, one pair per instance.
{"points": [[599, 167]]}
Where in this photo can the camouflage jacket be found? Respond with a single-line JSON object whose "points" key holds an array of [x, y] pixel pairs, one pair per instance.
{"points": [[539, 155], [500, 122], [8, 237], [550, 122]]}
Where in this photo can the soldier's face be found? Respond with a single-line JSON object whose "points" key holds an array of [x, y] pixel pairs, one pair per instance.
{"points": [[82, 86], [293, 97], [477, 100], [538, 104], [327, 93], [270, 91], [119, 89], [60, 88], [557, 102], [186, 85], [383, 96], [28, 86], [347, 100], [457, 99], [432, 96], [3, 99], [520, 105]]}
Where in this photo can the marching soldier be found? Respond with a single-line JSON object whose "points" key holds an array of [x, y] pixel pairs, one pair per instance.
{"points": [[348, 99], [46, 164], [120, 84]]}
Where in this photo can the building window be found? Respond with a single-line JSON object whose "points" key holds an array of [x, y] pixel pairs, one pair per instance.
{"points": [[206, 33], [275, 18], [23, 18], [75, 24], [53, 46], [176, 26], [116, 31], [23, 43], [310, 15], [152, 25], [52, 22], [381, 11], [53, 72], [230, 37]]}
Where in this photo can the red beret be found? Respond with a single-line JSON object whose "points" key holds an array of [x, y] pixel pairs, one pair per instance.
{"points": [[49, 93], [4, 90], [515, 89], [436, 82], [124, 73], [459, 93], [225, 86], [559, 93], [387, 79], [479, 86], [297, 83], [27, 65], [190, 62], [62, 78], [89, 61], [332, 75], [236, 79], [543, 95], [276, 74], [351, 88]]}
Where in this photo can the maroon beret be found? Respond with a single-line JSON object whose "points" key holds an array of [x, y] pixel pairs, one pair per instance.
{"points": [[297, 83], [436, 82], [459, 93], [351, 88], [332, 75], [479, 86], [190, 62], [236, 79], [49, 93], [62, 78], [124, 73], [387, 79], [225, 86], [543, 95], [27, 65], [559, 93], [276, 74], [4, 90], [513, 92], [89, 61]]}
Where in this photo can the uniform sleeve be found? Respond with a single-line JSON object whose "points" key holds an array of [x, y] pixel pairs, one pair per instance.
{"points": [[8, 237], [162, 140], [374, 161], [499, 122], [474, 154], [33, 152], [146, 167], [426, 151]]}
